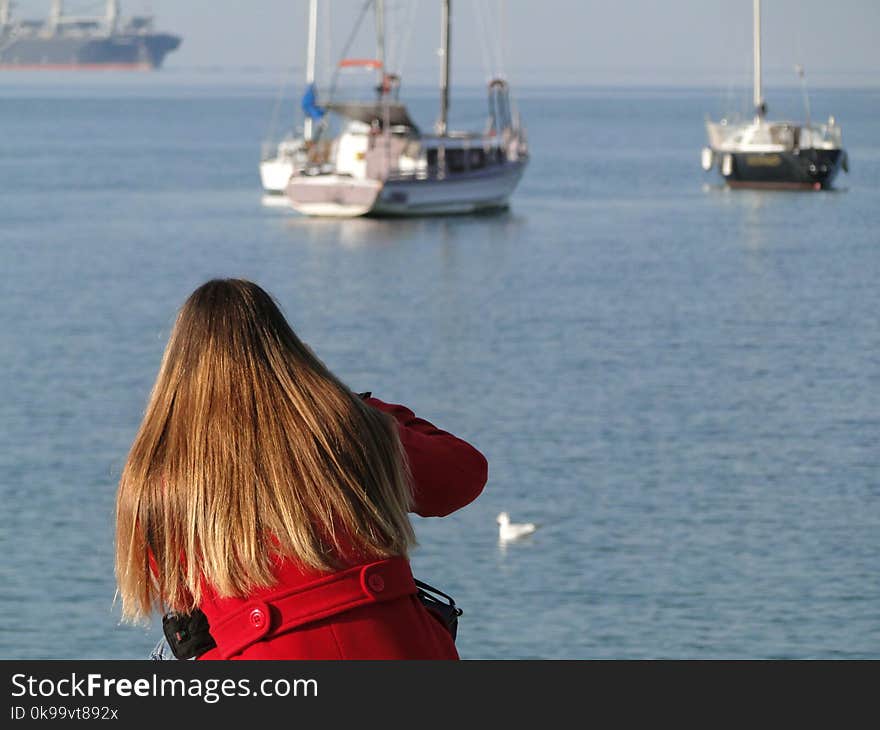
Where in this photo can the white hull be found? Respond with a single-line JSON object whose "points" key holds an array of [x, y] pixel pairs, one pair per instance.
{"points": [[275, 174], [340, 196], [274, 200], [330, 210]]}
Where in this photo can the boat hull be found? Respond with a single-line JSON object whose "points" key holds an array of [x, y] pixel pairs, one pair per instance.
{"points": [[337, 196], [274, 175], [806, 169], [468, 192], [120, 51]]}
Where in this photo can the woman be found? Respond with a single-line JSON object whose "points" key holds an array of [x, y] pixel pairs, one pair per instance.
{"points": [[262, 491]]}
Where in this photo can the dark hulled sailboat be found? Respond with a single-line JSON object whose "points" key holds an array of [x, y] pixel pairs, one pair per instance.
{"points": [[774, 154]]}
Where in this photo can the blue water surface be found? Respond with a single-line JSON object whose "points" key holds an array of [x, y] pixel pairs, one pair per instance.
{"points": [[680, 383]]}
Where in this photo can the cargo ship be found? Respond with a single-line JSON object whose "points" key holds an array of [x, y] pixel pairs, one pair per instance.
{"points": [[63, 41]]}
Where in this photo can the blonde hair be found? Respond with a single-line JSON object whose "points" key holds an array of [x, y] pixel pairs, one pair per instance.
{"points": [[251, 451]]}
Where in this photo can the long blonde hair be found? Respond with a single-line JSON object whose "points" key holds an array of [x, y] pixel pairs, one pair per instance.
{"points": [[251, 451]]}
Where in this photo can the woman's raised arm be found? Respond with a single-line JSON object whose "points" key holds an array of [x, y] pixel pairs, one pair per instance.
{"points": [[447, 473]]}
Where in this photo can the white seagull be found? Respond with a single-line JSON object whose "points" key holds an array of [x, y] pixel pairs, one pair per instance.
{"points": [[508, 530]]}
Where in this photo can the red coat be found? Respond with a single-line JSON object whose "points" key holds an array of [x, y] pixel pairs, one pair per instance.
{"points": [[367, 612]]}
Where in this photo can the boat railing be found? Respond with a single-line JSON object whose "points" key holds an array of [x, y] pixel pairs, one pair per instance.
{"points": [[784, 135], [824, 135], [457, 139], [440, 156], [792, 135]]}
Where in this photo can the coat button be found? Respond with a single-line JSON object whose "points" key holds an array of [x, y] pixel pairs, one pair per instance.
{"points": [[258, 618], [376, 583]]}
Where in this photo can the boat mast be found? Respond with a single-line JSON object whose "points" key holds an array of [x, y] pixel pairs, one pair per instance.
{"points": [[380, 35], [757, 96], [800, 72], [308, 127], [445, 33]]}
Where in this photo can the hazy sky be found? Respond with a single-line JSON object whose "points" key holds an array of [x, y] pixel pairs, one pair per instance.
{"points": [[701, 42]]}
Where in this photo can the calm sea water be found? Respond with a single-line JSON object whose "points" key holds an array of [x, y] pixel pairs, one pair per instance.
{"points": [[681, 384]]}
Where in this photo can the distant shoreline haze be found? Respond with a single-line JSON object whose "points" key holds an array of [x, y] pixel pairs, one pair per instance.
{"points": [[772, 77], [270, 80]]}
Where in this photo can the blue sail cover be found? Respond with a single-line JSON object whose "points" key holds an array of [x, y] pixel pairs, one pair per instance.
{"points": [[310, 104]]}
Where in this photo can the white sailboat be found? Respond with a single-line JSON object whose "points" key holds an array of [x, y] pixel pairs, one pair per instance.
{"points": [[382, 164], [774, 154], [278, 163]]}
